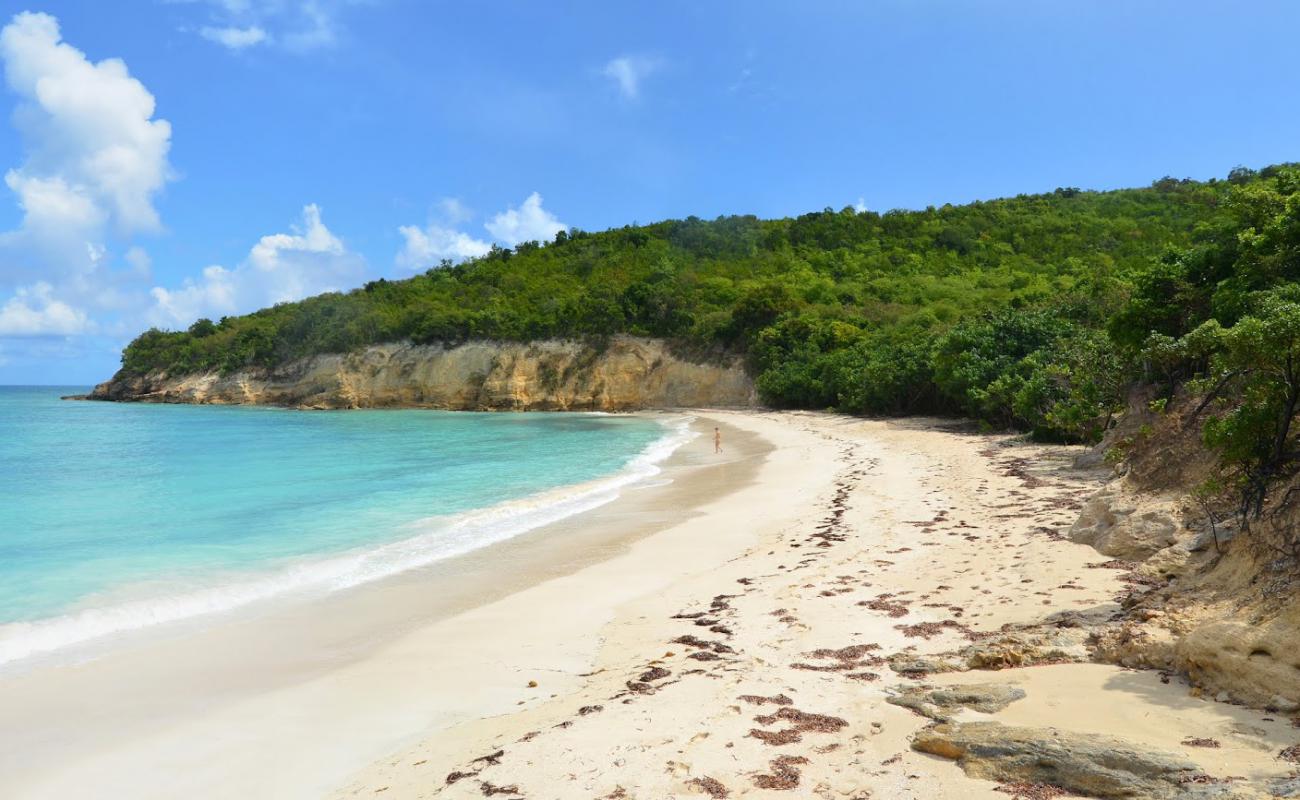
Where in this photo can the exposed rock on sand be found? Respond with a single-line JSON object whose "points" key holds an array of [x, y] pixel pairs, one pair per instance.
{"points": [[942, 703], [1126, 525], [1098, 766], [1014, 648]]}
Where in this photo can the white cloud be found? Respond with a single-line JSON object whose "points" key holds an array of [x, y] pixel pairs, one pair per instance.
{"points": [[629, 71], [297, 25], [425, 247], [529, 222], [860, 206], [34, 311], [88, 129], [94, 161], [280, 267], [234, 37]]}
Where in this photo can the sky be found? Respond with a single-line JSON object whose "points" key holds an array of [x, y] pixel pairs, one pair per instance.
{"points": [[166, 160]]}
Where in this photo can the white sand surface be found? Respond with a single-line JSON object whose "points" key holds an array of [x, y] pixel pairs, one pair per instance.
{"points": [[624, 653], [919, 518]]}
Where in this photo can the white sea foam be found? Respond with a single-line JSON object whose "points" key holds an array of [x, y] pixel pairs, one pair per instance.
{"points": [[432, 539]]}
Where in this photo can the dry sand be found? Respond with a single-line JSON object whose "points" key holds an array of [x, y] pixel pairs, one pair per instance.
{"points": [[892, 524], [626, 653]]}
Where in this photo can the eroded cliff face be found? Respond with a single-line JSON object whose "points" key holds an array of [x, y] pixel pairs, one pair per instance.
{"points": [[1208, 600], [624, 374]]}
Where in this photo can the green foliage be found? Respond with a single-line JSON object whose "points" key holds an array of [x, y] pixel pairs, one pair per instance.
{"points": [[1236, 340], [992, 309]]}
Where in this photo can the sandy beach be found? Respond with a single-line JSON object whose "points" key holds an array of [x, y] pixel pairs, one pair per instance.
{"points": [[734, 629]]}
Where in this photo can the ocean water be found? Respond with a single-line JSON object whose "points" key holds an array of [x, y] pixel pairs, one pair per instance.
{"points": [[116, 517]]}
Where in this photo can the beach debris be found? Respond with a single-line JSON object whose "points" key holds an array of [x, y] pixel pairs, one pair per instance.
{"points": [[928, 630], [844, 659], [776, 700], [653, 674], [801, 722], [532, 684], [1030, 791], [1195, 741], [703, 644], [784, 776], [710, 786], [882, 602], [490, 760]]}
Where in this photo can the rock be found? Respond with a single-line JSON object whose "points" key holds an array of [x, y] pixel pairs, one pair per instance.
{"points": [[1284, 787], [942, 703], [1088, 764], [1135, 646], [1026, 648], [1250, 663], [1123, 525], [622, 374], [920, 666]]}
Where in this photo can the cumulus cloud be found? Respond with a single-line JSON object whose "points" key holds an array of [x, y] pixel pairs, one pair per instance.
{"points": [[279, 268], [529, 222], [627, 72], [94, 161], [92, 144], [235, 38], [34, 311], [425, 247]]}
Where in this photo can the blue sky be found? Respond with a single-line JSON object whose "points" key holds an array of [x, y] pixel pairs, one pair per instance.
{"points": [[171, 159]]}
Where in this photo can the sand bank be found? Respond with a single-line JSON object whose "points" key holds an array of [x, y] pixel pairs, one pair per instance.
{"points": [[771, 673], [732, 631]]}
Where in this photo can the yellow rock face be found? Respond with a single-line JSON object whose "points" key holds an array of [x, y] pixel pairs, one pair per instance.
{"points": [[624, 374]]}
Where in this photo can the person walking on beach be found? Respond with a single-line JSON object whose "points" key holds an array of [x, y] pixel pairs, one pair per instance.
{"points": [[717, 440]]}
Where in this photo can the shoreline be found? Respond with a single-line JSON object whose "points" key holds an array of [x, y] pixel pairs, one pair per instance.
{"points": [[743, 630], [243, 660], [927, 556], [420, 543]]}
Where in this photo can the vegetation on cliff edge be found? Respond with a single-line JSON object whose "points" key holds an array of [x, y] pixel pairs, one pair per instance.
{"points": [[1033, 311]]}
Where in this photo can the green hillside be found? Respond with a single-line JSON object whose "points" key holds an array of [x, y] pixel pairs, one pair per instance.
{"points": [[995, 309]]}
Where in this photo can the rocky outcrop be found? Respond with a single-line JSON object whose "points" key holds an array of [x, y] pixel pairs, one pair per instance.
{"points": [[1126, 525], [1064, 640], [622, 374], [1088, 764], [1246, 662], [1203, 603], [943, 703]]}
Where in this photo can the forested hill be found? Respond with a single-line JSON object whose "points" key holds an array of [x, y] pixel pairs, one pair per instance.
{"points": [[995, 309]]}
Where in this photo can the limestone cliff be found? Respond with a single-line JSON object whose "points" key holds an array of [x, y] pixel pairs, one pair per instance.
{"points": [[1209, 600], [624, 373]]}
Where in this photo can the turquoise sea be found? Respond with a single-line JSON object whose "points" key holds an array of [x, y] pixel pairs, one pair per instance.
{"points": [[115, 517]]}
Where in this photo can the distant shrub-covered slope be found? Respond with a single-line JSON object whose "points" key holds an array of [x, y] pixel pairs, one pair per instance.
{"points": [[1005, 310]]}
